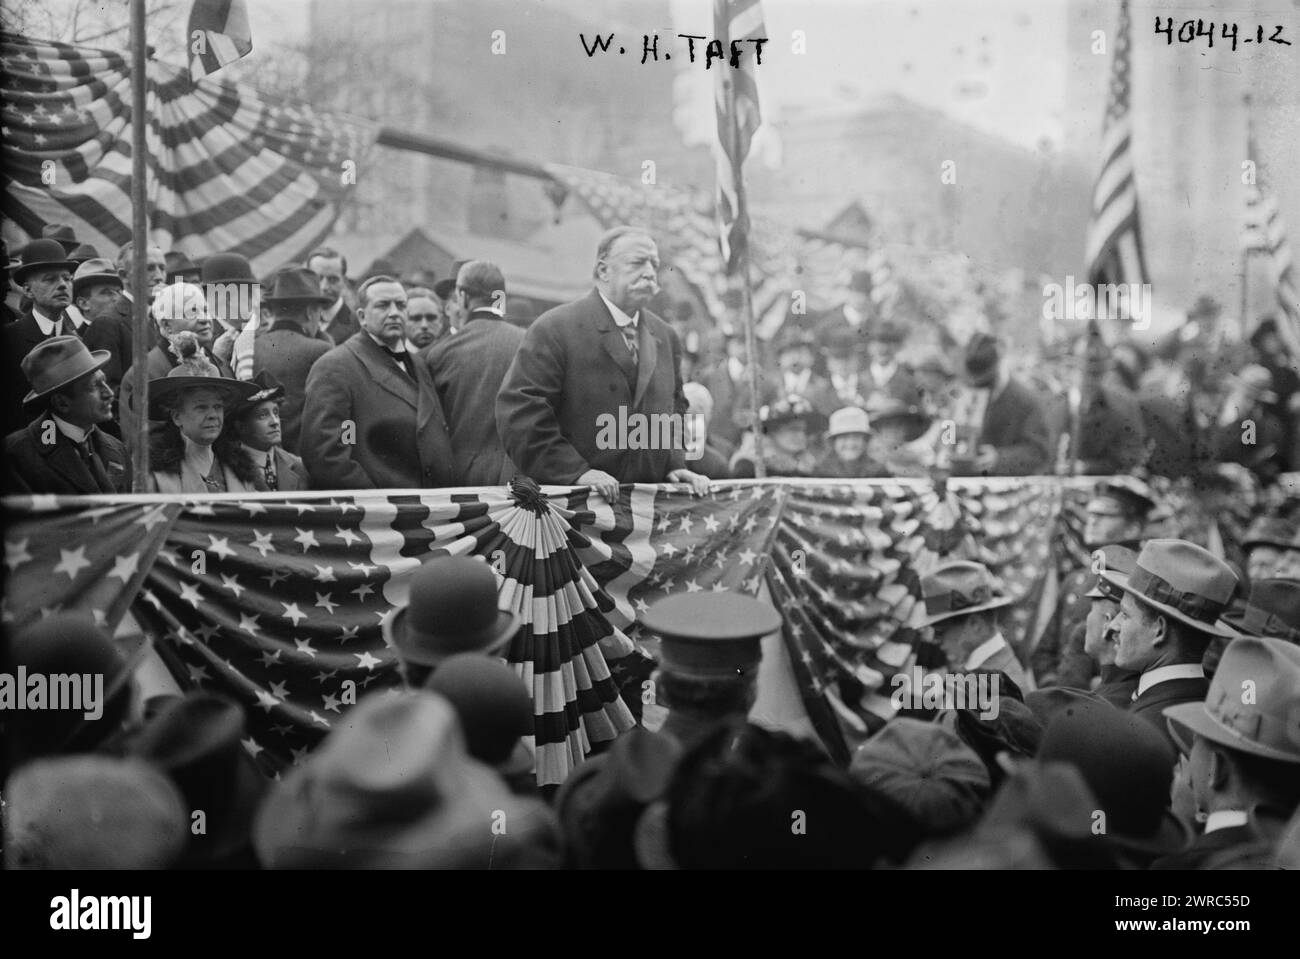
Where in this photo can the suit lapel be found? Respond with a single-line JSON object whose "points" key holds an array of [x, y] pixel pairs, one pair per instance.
{"points": [[385, 372], [647, 345], [63, 459], [611, 340]]}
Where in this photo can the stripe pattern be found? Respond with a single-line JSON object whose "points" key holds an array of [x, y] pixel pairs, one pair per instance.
{"points": [[218, 34], [228, 169], [1265, 233], [739, 117], [1114, 245]]}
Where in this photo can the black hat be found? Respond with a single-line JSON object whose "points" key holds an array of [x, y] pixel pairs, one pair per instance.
{"points": [[1134, 496], [452, 609], [226, 268], [1272, 609], [710, 635], [792, 409], [83, 252], [295, 284], [63, 233], [982, 355], [180, 267], [268, 388], [41, 254]]}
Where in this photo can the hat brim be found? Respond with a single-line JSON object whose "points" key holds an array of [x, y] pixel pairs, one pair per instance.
{"points": [[20, 274], [1194, 718], [168, 386], [99, 358], [416, 647], [996, 602], [1218, 628], [90, 278]]}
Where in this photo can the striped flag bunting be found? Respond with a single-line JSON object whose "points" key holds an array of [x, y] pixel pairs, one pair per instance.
{"points": [[739, 117], [228, 169], [1265, 233], [218, 34], [682, 223], [1114, 244]]}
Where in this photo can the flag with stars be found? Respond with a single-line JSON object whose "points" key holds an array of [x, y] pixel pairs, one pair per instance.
{"points": [[846, 574], [62, 555], [228, 168]]}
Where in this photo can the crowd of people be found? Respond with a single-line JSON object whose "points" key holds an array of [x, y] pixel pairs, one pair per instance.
{"points": [[412, 382], [1160, 701]]}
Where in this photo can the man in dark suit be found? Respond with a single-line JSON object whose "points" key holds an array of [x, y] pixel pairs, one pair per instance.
{"points": [[1241, 756], [468, 369], [857, 315], [1102, 420], [45, 274], [331, 268], [728, 384], [372, 418], [290, 347], [1002, 429], [97, 289], [1170, 611], [63, 451], [590, 370]]}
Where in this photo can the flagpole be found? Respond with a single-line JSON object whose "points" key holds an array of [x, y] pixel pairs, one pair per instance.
{"points": [[140, 245], [1247, 248]]}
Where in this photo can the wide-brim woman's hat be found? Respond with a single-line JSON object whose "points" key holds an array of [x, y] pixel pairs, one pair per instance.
{"points": [[793, 409], [1182, 580], [1264, 726], [960, 589], [41, 255], [57, 362], [887, 410], [268, 388], [164, 389], [452, 609], [847, 421]]}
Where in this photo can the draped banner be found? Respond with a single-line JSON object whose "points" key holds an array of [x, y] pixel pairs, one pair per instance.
{"points": [[278, 600]]}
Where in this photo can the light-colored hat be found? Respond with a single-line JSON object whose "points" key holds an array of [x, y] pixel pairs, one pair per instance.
{"points": [[1182, 580], [959, 589], [57, 362], [1253, 705], [97, 270], [850, 419]]}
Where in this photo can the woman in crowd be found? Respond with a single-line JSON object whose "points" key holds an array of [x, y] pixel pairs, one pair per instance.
{"points": [[253, 432]]}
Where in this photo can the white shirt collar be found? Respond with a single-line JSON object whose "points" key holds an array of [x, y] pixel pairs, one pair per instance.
{"points": [[46, 324], [260, 457], [1225, 819], [1163, 674], [797, 383], [620, 318], [74, 433], [76, 316], [985, 650]]}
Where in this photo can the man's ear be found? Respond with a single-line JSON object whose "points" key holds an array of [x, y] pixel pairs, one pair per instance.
{"points": [[1160, 629], [1219, 768]]}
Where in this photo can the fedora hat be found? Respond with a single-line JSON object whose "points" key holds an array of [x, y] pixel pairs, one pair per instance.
{"points": [[197, 740], [41, 255], [226, 268], [850, 419], [83, 252], [392, 787], [194, 371], [452, 609], [1182, 580], [95, 270], [1267, 725], [1272, 609], [1128, 766], [57, 362], [179, 266], [959, 589], [1272, 531], [295, 284], [63, 234]]}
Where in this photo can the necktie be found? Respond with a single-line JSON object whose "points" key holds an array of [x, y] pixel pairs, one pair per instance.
{"points": [[404, 358], [629, 337], [269, 471], [96, 468]]}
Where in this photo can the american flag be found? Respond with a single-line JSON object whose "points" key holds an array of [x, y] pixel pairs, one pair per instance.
{"points": [[1114, 246], [218, 34], [736, 104], [846, 571], [228, 168], [1266, 233]]}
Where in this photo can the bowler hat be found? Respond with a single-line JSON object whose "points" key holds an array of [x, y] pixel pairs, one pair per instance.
{"points": [[1272, 609], [96, 270], [1118, 559], [1253, 702], [452, 609], [850, 419], [180, 267], [1182, 580], [494, 706], [960, 588], [57, 362], [391, 787], [710, 635], [1128, 765], [92, 812], [197, 740], [63, 233], [226, 268], [981, 359], [41, 255], [83, 252], [295, 285]]}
